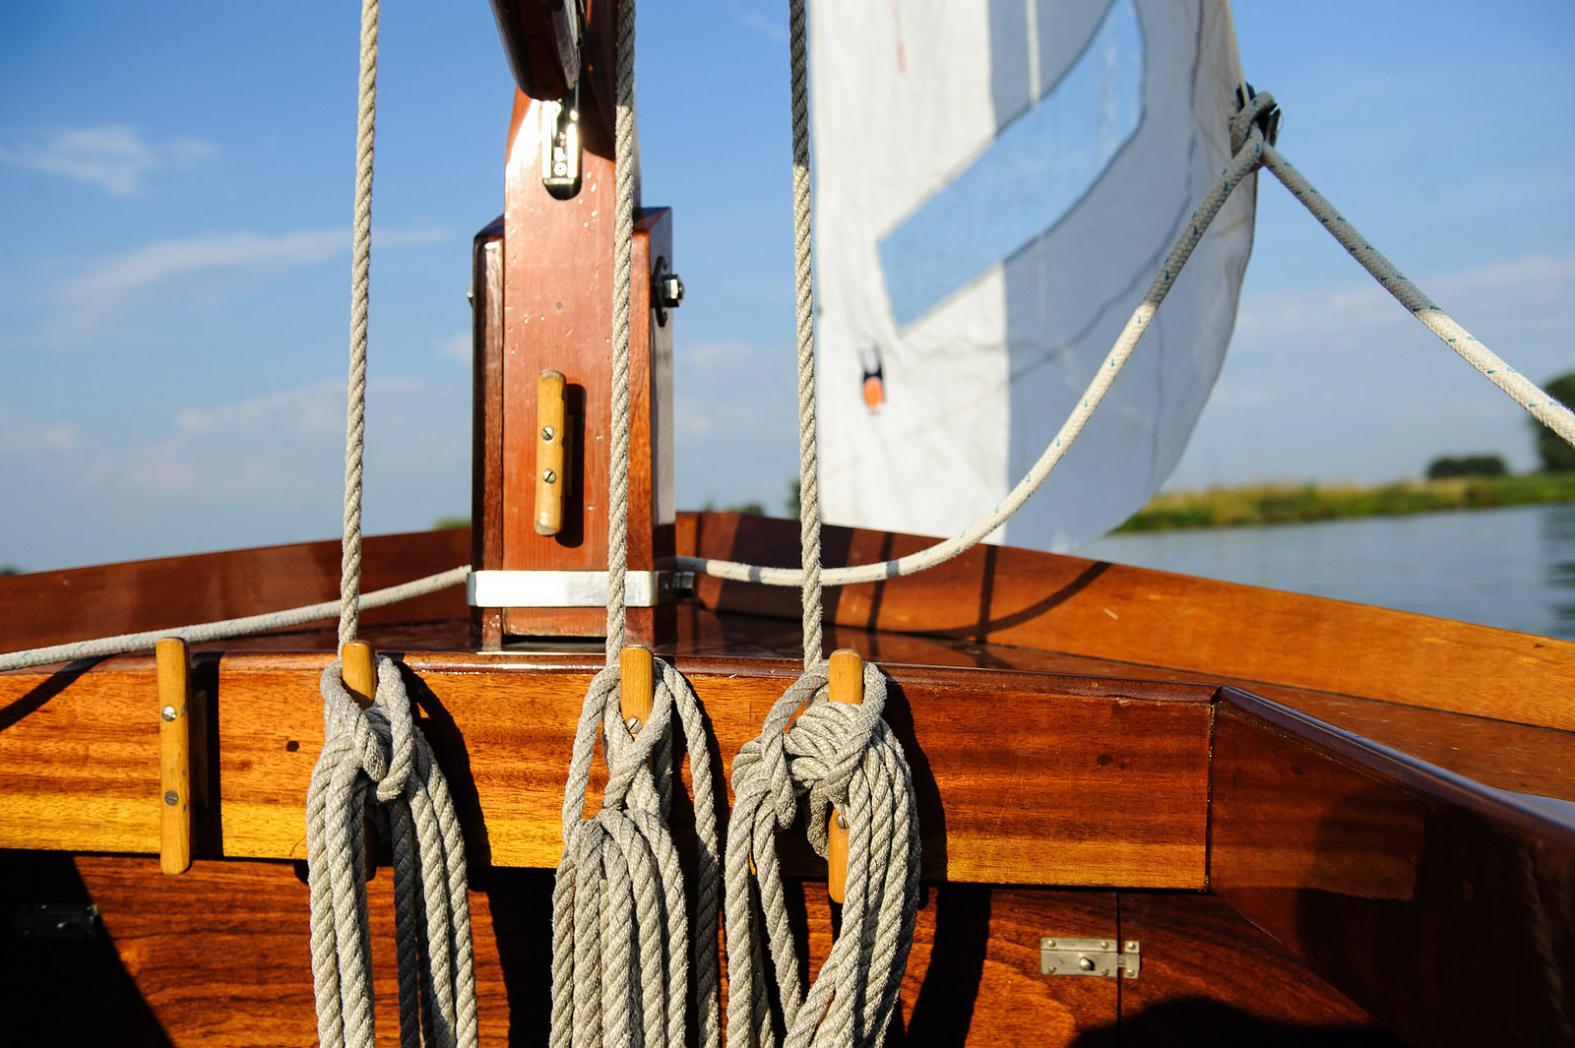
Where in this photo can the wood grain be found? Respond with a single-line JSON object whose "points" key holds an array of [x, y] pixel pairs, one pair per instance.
{"points": [[1443, 908], [486, 452], [56, 607], [221, 957], [1042, 600], [174, 756], [1117, 768]]}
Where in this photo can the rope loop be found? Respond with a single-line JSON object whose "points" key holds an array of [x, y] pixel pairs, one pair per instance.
{"points": [[832, 754], [379, 755], [1257, 111]]}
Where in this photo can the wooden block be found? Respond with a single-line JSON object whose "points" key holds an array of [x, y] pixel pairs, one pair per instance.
{"points": [[174, 756]]}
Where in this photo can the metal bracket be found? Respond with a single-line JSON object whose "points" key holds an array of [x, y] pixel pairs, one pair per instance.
{"points": [[573, 589], [56, 920], [1098, 957]]}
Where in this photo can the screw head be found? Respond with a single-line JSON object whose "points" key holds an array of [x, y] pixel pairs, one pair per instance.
{"points": [[549, 476], [171, 798], [634, 725], [1049, 942], [1132, 946], [168, 713], [1086, 963], [547, 433]]}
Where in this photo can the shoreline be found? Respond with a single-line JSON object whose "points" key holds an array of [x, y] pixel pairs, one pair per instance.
{"points": [[1259, 505]]}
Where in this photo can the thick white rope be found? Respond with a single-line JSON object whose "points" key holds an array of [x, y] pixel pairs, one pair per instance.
{"points": [[622, 945], [378, 756], [842, 755], [1250, 152], [839, 754], [222, 629], [360, 294]]}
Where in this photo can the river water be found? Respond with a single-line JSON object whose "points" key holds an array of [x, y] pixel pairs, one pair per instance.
{"points": [[1512, 568]]}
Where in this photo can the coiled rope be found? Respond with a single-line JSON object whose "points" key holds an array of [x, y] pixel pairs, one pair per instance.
{"points": [[378, 755], [836, 754], [621, 940]]}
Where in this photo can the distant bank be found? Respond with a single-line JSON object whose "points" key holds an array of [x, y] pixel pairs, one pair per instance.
{"points": [[1303, 503]]}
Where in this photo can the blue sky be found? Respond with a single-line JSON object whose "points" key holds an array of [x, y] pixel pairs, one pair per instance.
{"points": [[176, 187]]}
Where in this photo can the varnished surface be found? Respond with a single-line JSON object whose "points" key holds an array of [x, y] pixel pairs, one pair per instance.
{"points": [[486, 453], [1040, 600], [1211, 978], [221, 957], [557, 316], [55, 607], [1445, 910], [1117, 768]]}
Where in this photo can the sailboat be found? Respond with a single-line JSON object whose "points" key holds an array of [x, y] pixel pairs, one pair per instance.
{"points": [[1151, 808]]}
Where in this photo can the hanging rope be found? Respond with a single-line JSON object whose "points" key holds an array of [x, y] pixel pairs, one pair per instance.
{"points": [[1250, 152], [836, 754], [378, 755], [621, 940]]}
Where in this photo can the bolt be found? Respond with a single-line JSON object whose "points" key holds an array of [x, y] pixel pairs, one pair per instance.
{"points": [[1086, 963], [168, 713], [171, 798], [669, 291], [549, 476]]}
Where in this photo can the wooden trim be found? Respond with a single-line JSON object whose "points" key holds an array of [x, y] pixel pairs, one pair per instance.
{"points": [[1117, 768], [1217, 630], [1419, 893], [486, 479]]}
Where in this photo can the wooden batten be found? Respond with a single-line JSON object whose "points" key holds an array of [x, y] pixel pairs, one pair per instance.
{"points": [[846, 684], [175, 777]]}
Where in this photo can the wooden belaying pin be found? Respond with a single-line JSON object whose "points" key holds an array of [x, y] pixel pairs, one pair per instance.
{"points": [[169, 656], [636, 690], [846, 685], [358, 673]]}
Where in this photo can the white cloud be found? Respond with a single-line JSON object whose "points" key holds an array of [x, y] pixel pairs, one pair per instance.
{"points": [[114, 157], [256, 470], [194, 268]]}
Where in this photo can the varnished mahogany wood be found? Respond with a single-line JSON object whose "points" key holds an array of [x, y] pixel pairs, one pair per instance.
{"points": [[558, 316], [1116, 769], [1210, 978], [1445, 909], [220, 957], [55, 607], [1040, 600], [486, 455]]}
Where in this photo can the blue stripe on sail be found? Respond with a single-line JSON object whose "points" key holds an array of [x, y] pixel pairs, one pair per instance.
{"points": [[1035, 171]]}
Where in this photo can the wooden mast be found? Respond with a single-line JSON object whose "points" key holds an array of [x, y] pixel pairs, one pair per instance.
{"points": [[553, 268]]}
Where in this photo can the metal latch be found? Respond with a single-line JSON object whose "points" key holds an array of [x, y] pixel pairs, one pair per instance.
{"points": [[1090, 957], [55, 920], [561, 150]]}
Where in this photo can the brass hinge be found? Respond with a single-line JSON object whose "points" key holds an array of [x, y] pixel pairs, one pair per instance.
{"points": [[1098, 957]]}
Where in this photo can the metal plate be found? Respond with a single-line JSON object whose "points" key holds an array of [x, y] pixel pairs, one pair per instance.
{"points": [[572, 589], [1096, 957]]}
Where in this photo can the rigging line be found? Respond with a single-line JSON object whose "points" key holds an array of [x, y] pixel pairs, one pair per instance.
{"points": [[623, 262], [804, 321], [220, 629], [360, 290], [1253, 153]]}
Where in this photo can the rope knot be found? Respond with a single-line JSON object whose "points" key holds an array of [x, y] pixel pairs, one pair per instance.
{"points": [[381, 738], [1255, 110]]}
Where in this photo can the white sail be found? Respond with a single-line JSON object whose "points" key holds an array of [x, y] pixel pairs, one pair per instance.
{"points": [[996, 185]]}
